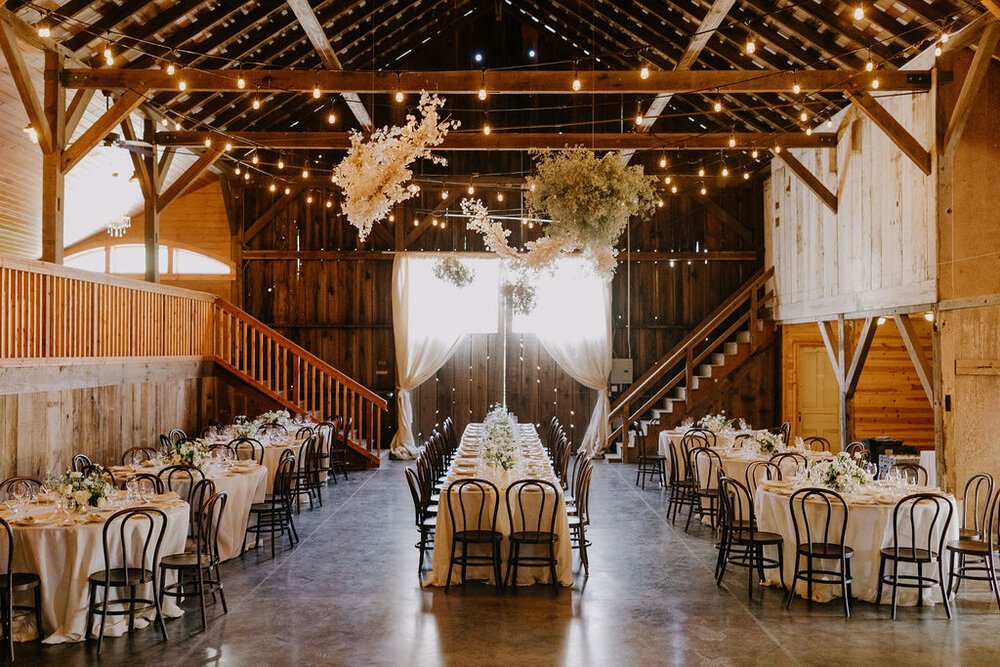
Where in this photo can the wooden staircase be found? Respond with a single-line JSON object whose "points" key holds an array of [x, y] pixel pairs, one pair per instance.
{"points": [[294, 377], [686, 376]]}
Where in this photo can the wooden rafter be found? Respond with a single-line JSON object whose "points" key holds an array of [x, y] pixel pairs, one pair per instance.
{"points": [[77, 106], [713, 19], [128, 102], [329, 255], [831, 343], [273, 210], [25, 88], [917, 355], [809, 179], [892, 128], [853, 373], [993, 6], [166, 159], [515, 141], [187, 179], [149, 189], [317, 37], [970, 87], [417, 231], [558, 82]]}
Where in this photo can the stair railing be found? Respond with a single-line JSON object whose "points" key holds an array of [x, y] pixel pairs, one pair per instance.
{"points": [[295, 377], [742, 309]]}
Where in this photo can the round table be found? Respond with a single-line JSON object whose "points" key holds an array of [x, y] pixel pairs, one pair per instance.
{"points": [[64, 556], [869, 529]]}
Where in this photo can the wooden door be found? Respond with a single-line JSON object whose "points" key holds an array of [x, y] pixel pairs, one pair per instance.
{"points": [[817, 412]]}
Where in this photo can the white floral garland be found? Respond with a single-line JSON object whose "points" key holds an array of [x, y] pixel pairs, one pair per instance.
{"points": [[375, 175], [588, 202]]}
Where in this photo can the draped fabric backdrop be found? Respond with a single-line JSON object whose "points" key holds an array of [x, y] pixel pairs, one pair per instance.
{"points": [[572, 318], [429, 319]]}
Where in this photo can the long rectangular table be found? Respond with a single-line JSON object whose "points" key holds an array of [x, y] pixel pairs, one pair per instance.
{"points": [[531, 462]]}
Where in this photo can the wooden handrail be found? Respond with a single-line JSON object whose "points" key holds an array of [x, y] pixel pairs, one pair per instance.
{"points": [[304, 353], [691, 351]]}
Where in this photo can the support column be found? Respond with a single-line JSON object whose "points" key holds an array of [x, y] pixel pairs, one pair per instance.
{"points": [[846, 399], [151, 214], [53, 176]]}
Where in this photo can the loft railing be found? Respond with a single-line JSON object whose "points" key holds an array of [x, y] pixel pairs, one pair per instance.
{"points": [[295, 377], [54, 313], [742, 311]]}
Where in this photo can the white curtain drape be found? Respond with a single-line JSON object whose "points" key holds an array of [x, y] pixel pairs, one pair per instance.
{"points": [[429, 318], [572, 318]]}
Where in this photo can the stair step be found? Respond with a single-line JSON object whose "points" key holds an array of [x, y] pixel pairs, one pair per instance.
{"points": [[742, 336], [678, 393], [717, 359], [731, 348], [704, 371]]}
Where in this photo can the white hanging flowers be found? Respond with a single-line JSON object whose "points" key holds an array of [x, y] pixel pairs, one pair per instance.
{"points": [[520, 295], [587, 201], [375, 175], [451, 270]]}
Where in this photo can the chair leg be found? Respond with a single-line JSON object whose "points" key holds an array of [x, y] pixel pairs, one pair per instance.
{"points": [[451, 566], [201, 597], [781, 564], [131, 608], [104, 617], [750, 568], [159, 612], [552, 567], [944, 592], [992, 573], [920, 584], [9, 622], [881, 581], [222, 592], [795, 580], [760, 562], [951, 572], [497, 567], [92, 599], [895, 586], [38, 613], [843, 588], [465, 563]]}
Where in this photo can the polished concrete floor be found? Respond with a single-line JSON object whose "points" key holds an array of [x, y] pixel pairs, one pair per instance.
{"points": [[349, 595]]}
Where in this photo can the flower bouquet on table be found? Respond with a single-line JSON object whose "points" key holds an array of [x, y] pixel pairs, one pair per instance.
{"points": [[245, 429], [841, 473], [81, 491], [187, 453], [499, 441], [717, 424], [767, 443], [275, 418]]}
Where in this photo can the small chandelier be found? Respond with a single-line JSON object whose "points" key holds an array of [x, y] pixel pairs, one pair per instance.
{"points": [[117, 226]]}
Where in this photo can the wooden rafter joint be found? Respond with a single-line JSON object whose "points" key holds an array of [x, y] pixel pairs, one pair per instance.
{"points": [[810, 180], [500, 82], [893, 129]]}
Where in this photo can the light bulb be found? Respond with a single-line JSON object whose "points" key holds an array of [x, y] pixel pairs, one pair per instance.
{"points": [[717, 106], [392, 217], [576, 84], [471, 189], [246, 175], [859, 12], [43, 29], [673, 189], [305, 173], [803, 116], [208, 142], [937, 50], [434, 222], [241, 83], [171, 69], [272, 187], [663, 163], [875, 83], [701, 171], [399, 96], [532, 187], [531, 224], [177, 126], [482, 93], [809, 131], [703, 190], [944, 40], [869, 66], [107, 53], [163, 122], [732, 141], [638, 119], [309, 199], [255, 159], [331, 118], [288, 190], [667, 179], [281, 163], [237, 170], [777, 148], [746, 176], [796, 88], [329, 204], [659, 203], [644, 72], [316, 91], [751, 46], [256, 103], [416, 223], [881, 321], [182, 85], [499, 196], [754, 153], [228, 147], [725, 171], [486, 128]]}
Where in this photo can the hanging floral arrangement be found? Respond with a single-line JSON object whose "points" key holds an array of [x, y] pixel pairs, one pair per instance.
{"points": [[586, 202], [520, 295], [451, 270], [375, 175]]}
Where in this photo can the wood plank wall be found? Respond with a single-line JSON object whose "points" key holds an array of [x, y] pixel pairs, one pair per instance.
{"points": [[879, 250], [889, 399], [341, 310]]}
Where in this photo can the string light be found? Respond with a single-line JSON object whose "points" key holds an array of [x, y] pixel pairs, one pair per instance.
{"points": [[777, 148], [663, 161], [256, 103], [746, 175], [237, 170], [576, 79], [246, 175], [329, 204], [272, 187], [937, 50], [471, 189], [309, 199], [644, 73], [228, 147], [182, 86], [638, 114], [869, 64], [750, 47], [434, 222], [667, 179], [718, 104], [486, 128], [281, 163], [754, 153], [305, 172], [171, 70], [875, 82], [803, 116], [809, 131], [208, 142], [796, 88], [109, 57], [288, 190], [701, 171], [673, 189], [500, 196], [241, 83], [659, 203], [725, 171], [177, 126], [732, 140], [316, 92], [444, 194], [399, 97], [859, 12], [703, 190], [255, 159], [331, 118], [44, 31]]}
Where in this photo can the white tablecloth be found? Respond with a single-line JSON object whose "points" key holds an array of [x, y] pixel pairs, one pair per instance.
{"points": [[531, 447], [64, 557], [869, 529]]}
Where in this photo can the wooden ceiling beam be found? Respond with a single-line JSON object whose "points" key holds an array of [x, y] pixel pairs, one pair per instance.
{"points": [[25, 87], [267, 216], [892, 128], [128, 102], [317, 37], [163, 168], [515, 141], [387, 255], [146, 184], [77, 106], [186, 180], [971, 86], [501, 82], [993, 7], [809, 179]]}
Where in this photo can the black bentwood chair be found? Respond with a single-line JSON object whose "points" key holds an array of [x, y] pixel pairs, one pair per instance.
{"points": [[131, 540], [274, 516], [16, 582], [975, 506], [248, 449], [825, 544], [916, 547], [742, 544], [983, 549], [425, 521], [473, 505], [533, 524], [651, 464]]}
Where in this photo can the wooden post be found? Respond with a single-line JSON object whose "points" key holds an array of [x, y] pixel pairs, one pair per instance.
{"points": [[151, 213], [846, 404], [53, 176]]}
